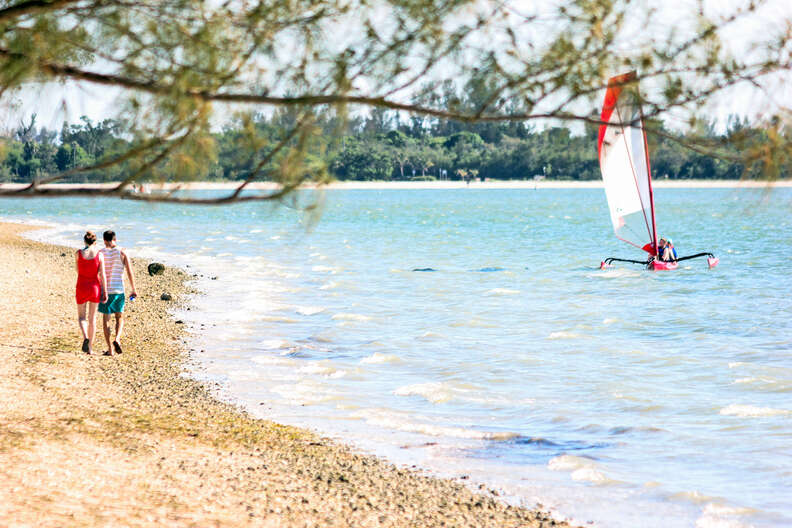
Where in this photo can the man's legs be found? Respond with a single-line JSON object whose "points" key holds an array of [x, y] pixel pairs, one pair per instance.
{"points": [[119, 326], [106, 328]]}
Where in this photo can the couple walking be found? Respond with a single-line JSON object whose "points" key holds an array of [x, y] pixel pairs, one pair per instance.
{"points": [[100, 283]]}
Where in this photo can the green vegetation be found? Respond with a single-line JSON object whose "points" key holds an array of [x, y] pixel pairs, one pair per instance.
{"points": [[378, 147], [452, 89]]}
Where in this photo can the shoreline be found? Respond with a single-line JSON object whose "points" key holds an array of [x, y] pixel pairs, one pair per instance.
{"points": [[130, 440], [427, 185]]}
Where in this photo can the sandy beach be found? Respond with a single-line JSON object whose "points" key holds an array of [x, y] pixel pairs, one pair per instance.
{"points": [[446, 184], [130, 441]]}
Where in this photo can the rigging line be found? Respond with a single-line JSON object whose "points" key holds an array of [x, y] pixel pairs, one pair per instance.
{"points": [[632, 166], [631, 243]]}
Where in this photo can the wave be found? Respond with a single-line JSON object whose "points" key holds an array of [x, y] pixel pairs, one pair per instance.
{"points": [[274, 344], [434, 392], [408, 424], [502, 291], [322, 370], [377, 359], [475, 322], [350, 317], [580, 468], [751, 411], [306, 392], [309, 310], [564, 335], [444, 392], [268, 359], [722, 516], [277, 319]]}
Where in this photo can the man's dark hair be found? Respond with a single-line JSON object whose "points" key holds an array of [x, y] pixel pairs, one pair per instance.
{"points": [[109, 236]]}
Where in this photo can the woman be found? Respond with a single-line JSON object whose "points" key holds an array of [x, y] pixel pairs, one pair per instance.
{"points": [[91, 288]]}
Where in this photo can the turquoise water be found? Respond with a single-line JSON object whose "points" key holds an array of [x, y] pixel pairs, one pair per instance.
{"points": [[623, 397]]}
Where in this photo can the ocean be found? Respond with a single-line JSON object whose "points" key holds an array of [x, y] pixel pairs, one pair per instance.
{"points": [[621, 397]]}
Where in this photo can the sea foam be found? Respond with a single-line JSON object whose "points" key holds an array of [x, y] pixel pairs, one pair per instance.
{"points": [[376, 358], [563, 335], [501, 291], [751, 411], [401, 421], [350, 317]]}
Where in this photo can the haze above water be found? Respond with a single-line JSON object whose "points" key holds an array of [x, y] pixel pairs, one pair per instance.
{"points": [[626, 397]]}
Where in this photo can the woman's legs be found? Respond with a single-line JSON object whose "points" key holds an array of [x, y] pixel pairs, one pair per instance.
{"points": [[81, 320], [91, 322]]}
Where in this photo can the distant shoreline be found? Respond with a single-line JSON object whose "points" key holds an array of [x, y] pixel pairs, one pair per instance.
{"points": [[431, 185]]}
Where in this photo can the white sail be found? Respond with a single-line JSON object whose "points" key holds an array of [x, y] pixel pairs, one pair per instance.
{"points": [[624, 162]]}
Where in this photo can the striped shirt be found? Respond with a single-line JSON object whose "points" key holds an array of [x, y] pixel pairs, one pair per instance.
{"points": [[114, 268]]}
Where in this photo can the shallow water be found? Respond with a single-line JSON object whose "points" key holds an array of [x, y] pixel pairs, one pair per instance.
{"points": [[624, 397]]}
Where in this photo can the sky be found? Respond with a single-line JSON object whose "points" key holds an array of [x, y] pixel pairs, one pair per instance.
{"points": [[55, 103]]}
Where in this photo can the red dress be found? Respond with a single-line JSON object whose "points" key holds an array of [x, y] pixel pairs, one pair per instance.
{"points": [[89, 289]]}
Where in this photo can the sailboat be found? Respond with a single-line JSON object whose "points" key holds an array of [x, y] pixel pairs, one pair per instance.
{"points": [[627, 174]]}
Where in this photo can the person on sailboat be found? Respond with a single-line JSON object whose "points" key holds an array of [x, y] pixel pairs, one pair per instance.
{"points": [[666, 251]]}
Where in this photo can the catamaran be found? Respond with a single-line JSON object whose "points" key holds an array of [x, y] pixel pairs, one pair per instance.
{"points": [[627, 174]]}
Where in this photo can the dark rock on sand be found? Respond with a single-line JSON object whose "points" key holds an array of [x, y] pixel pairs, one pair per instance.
{"points": [[166, 297], [155, 268]]}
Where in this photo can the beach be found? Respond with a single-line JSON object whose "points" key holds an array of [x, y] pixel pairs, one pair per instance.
{"points": [[466, 334], [130, 440], [423, 185]]}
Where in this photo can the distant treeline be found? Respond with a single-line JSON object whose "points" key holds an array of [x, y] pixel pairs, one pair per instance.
{"points": [[379, 146]]}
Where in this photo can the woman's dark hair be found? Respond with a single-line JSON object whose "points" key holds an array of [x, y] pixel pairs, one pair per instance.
{"points": [[89, 238]]}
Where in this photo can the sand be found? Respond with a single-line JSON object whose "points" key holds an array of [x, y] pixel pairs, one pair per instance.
{"points": [[129, 440]]}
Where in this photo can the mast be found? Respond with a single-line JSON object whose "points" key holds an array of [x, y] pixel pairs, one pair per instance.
{"points": [[649, 179]]}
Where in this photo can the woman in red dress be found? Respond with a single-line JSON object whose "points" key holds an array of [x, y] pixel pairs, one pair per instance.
{"points": [[91, 288]]}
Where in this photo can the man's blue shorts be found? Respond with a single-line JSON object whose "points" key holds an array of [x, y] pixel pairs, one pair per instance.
{"points": [[114, 304]]}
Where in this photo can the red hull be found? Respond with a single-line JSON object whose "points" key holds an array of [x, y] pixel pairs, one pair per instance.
{"points": [[658, 265]]}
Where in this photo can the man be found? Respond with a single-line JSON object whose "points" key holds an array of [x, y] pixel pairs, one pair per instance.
{"points": [[665, 250], [116, 261]]}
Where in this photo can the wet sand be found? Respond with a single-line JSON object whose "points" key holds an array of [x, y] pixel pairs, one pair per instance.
{"points": [[129, 440]]}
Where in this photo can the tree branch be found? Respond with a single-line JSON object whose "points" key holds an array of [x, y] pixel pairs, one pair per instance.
{"points": [[31, 7]]}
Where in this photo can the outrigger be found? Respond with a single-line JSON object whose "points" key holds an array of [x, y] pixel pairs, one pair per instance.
{"points": [[627, 175]]}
